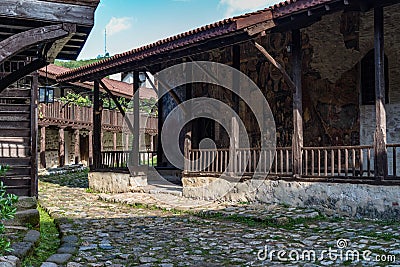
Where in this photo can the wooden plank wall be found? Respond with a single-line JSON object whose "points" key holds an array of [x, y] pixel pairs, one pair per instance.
{"points": [[16, 138]]}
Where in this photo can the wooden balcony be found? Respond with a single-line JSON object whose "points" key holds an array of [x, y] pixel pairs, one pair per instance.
{"points": [[72, 115]]}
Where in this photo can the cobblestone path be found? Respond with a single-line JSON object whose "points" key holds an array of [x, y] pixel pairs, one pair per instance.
{"points": [[114, 234]]}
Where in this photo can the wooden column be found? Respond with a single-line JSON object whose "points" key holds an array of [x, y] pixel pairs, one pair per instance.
{"points": [[90, 162], [297, 140], [77, 152], [115, 141], [381, 161], [97, 109], [43, 147], [102, 140], [61, 147], [234, 140], [136, 119], [34, 132], [189, 126]]}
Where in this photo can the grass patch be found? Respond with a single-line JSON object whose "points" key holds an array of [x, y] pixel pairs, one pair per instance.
{"points": [[49, 241]]}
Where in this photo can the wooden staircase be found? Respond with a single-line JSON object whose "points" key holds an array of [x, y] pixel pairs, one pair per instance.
{"points": [[18, 138]]}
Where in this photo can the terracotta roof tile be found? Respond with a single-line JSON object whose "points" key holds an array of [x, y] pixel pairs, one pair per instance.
{"points": [[117, 87]]}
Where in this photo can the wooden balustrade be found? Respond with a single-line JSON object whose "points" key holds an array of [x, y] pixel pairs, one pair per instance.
{"points": [[393, 160], [246, 160], [73, 114], [114, 160], [338, 161]]}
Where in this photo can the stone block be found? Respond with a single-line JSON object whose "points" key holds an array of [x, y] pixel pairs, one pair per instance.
{"points": [[59, 258], [25, 217], [26, 203]]}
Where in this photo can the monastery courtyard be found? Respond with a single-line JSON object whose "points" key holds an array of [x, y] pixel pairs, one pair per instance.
{"points": [[130, 230]]}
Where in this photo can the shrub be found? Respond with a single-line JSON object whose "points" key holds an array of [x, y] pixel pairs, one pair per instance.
{"points": [[7, 211]]}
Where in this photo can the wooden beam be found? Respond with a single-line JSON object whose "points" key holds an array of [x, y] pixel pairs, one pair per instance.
{"points": [[38, 10], [285, 75], [260, 27], [24, 40], [16, 75], [381, 161], [121, 110], [58, 45], [297, 140], [97, 110]]}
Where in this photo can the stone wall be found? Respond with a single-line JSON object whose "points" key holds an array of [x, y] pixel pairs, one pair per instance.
{"points": [[352, 200]]}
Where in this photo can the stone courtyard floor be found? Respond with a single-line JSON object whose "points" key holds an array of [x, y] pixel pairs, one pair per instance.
{"points": [[135, 230]]}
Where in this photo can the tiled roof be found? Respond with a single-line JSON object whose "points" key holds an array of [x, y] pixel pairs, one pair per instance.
{"points": [[221, 28], [118, 88], [209, 31]]}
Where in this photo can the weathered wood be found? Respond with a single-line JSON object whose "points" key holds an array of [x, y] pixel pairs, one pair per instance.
{"points": [[21, 41], [381, 161], [285, 75], [27, 69], [77, 152], [43, 147], [58, 45], [121, 110], [47, 11], [97, 114], [34, 132], [136, 118], [61, 147], [234, 137], [297, 140], [90, 161], [260, 27]]}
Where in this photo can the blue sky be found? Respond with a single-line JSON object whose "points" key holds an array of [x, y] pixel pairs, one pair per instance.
{"points": [[133, 23]]}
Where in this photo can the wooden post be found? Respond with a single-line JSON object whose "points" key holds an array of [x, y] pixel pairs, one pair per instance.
{"points": [[61, 147], [297, 140], [234, 140], [97, 109], [136, 118], [90, 162], [189, 126], [102, 140], [115, 141], [381, 161], [34, 131], [43, 147], [77, 152]]}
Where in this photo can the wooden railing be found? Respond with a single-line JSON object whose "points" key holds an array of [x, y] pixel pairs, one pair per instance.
{"points": [[337, 161], [57, 112], [73, 114], [115, 160], [246, 160], [393, 151]]}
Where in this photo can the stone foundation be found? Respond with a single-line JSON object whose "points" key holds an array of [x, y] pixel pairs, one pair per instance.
{"points": [[352, 200], [109, 182]]}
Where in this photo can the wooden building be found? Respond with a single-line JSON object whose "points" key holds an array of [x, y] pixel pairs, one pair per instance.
{"points": [[329, 71], [32, 34], [65, 129]]}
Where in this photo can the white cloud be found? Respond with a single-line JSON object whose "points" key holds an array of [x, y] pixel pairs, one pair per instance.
{"points": [[117, 25], [235, 6]]}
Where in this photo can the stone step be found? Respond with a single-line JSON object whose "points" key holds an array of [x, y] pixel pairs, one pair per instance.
{"points": [[26, 203], [25, 218]]}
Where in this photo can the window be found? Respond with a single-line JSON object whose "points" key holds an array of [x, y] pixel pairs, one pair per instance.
{"points": [[368, 79]]}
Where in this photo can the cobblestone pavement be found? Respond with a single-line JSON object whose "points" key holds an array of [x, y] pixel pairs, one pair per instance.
{"points": [[115, 234]]}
